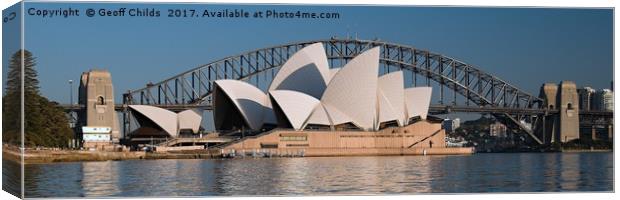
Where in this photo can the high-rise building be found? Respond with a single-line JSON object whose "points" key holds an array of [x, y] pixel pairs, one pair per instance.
{"points": [[498, 129], [604, 100], [586, 98], [451, 124]]}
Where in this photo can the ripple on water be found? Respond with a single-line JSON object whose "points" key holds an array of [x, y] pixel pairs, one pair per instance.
{"points": [[548, 172]]}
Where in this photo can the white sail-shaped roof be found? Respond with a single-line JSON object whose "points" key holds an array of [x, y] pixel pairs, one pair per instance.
{"points": [[391, 86], [417, 101], [190, 119], [386, 111], [165, 119], [337, 117], [353, 90], [250, 101], [296, 106], [319, 116], [306, 91], [306, 71], [332, 73]]}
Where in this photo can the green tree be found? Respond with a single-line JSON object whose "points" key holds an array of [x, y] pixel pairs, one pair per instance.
{"points": [[45, 123]]}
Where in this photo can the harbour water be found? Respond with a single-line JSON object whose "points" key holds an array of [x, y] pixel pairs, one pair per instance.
{"points": [[495, 173]]}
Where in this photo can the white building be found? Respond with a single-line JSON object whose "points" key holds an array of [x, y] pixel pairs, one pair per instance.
{"points": [[167, 123], [451, 124], [307, 93], [96, 134]]}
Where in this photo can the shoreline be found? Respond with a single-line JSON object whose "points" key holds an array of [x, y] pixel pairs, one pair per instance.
{"points": [[53, 156], [586, 150], [58, 156]]}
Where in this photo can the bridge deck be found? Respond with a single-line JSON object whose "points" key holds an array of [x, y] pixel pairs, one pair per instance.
{"points": [[433, 109]]}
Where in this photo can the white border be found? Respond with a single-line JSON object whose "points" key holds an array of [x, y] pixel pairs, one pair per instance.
{"points": [[466, 3]]}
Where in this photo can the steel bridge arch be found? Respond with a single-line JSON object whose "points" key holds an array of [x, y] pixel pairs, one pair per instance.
{"points": [[195, 85]]}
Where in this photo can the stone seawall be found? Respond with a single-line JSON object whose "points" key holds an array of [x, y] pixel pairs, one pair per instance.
{"points": [[49, 156], [328, 152]]}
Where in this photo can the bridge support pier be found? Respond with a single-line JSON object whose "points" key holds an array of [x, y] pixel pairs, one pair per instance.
{"points": [[569, 111], [565, 125], [548, 92], [549, 131], [96, 93]]}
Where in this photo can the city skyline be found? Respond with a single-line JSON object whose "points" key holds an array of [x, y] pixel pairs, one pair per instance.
{"points": [[509, 43]]}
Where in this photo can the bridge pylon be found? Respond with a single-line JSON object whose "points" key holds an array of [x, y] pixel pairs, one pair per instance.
{"points": [[563, 126], [98, 116]]}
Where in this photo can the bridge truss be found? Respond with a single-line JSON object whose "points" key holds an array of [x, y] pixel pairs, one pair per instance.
{"points": [[454, 78]]}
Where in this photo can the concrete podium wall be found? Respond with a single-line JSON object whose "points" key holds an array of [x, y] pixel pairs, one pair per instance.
{"points": [[387, 141]]}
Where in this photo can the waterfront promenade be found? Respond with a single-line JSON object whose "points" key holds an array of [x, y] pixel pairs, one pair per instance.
{"points": [[51, 156], [32, 156], [11, 153]]}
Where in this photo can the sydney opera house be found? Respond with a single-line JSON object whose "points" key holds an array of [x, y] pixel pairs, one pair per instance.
{"points": [[324, 111], [307, 94]]}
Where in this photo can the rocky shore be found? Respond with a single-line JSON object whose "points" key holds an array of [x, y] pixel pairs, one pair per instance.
{"points": [[51, 156]]}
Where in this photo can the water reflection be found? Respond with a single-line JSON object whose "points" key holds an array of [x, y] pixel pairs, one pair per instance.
{"points": [[355, 175], [11, 177], [569, 174], [160, 177], [99, 178], [322, 176], [53, 180]]}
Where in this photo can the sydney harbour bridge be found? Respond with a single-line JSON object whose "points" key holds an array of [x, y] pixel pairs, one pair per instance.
{"points": [[457, 86]]}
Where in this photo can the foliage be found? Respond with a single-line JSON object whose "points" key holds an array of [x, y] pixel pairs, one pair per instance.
{"points": [[45, 122], [475, 129]]}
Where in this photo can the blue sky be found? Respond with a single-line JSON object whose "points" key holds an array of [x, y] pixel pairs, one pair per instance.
{"points": [[524, 46]]}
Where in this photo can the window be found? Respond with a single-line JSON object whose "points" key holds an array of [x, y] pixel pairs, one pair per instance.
{"points": [[297, 145], [269, 145], [100, 100], [293, 138]]}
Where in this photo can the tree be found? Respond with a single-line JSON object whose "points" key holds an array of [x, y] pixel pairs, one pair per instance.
{"points": [[45, 123], [11, 111]]}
